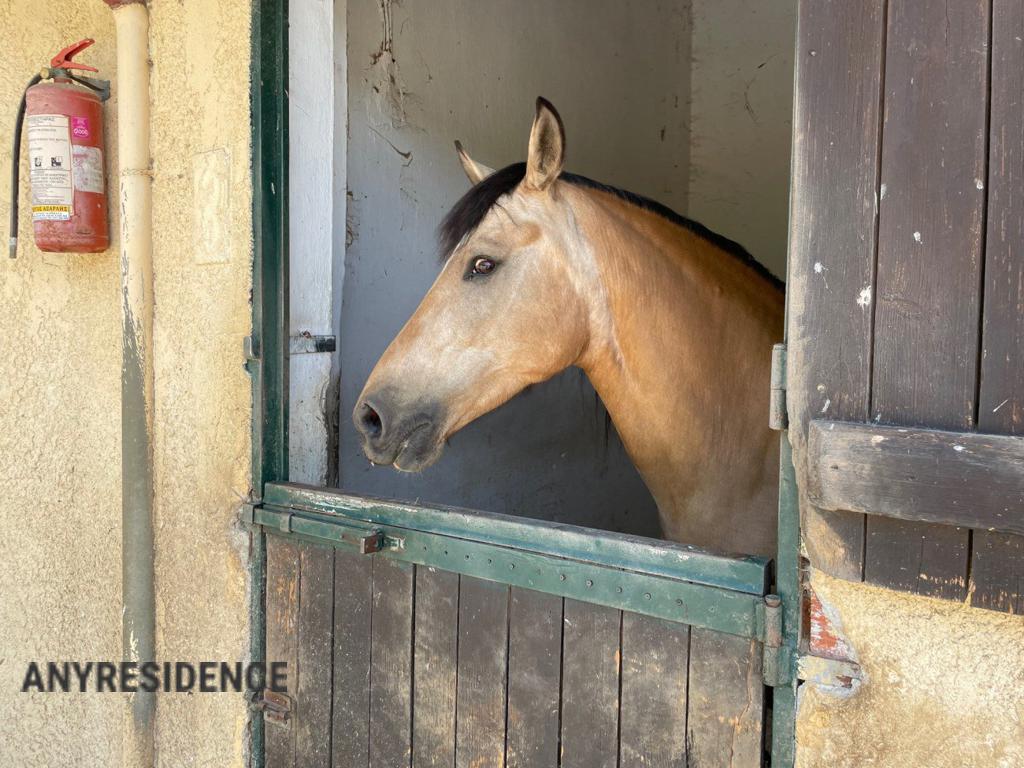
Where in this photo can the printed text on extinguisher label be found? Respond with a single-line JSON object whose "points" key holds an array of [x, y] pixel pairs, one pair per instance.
{"points": [[49, 157]]}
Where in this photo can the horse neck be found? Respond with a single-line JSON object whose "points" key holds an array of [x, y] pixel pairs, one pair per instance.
{"points": [[678, 358]]}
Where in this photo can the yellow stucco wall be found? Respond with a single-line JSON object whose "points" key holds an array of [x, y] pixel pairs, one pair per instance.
{"points": [[943, 686], [60, 373]]}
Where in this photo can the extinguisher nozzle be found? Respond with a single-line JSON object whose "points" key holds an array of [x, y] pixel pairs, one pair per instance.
{"points": [[13, 248]]}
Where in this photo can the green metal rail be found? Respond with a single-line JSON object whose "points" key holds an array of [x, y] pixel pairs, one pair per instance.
{"points": [[661, 579], [739, 573]]}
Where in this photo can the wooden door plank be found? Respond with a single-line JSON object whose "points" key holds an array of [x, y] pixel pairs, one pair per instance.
{"points": [[725, 707], [655, 658], [483, 655], [313, 675], [391, 664], [997, 564], [590, 685], [954, 478], [434, 668], [929, 261], [833, 222], [353, 599], [534, 678], [282, 638]]}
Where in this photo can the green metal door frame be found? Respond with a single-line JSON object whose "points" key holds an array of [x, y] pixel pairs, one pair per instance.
{"points": [[721, 593], [267, 348]]}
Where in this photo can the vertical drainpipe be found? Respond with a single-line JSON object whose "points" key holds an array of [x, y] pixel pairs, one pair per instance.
{"points": [[131, 20]]}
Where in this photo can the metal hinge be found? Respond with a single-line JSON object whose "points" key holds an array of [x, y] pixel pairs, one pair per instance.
{"points": [[251, 353], [276, 707], [777, 417], [775, 661]]}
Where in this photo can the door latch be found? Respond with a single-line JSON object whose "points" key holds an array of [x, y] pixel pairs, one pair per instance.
{"points": [[778, 419], [276, 707], [366, 543]]}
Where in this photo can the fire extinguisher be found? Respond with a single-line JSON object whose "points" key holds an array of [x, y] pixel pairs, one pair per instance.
{"points": [[64, 114]]}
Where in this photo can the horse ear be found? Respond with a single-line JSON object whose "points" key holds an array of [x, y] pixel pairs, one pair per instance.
{"points": [[547, 147], [476, 172]]}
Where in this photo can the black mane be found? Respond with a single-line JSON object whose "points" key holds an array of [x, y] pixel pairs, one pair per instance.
{"points": [[466, 215]]}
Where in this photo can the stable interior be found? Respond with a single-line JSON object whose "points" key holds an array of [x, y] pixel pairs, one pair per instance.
{"points": [[687, 102]]}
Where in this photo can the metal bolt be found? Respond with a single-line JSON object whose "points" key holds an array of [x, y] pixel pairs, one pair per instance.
{"points": [[647, 595], [561, 577], [590, 583], [619, 590], [511, 566]]}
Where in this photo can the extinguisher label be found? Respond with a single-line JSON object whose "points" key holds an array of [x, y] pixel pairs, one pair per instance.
{"points": [[80, 127], [49, 153], [87, 164]]}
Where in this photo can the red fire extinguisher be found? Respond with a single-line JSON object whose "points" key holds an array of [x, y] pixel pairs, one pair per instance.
{"points": [[64, 117]]}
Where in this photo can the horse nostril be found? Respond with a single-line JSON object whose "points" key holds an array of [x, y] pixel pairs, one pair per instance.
{"points": [[371, 422]]}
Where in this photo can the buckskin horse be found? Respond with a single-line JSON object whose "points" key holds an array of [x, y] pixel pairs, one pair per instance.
{"points": [[672, 323]]}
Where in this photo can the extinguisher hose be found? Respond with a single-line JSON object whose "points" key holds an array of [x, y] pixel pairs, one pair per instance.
{"points": [[16, 165]]}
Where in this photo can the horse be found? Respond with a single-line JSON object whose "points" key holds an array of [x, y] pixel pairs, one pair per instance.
{"points": [[672, 323]]}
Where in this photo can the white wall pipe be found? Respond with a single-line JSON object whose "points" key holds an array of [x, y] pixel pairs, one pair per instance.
{"points": [[131, 20]]}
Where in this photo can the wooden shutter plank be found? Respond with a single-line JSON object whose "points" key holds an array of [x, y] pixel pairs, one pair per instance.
{"points": [[929, 261], [282, 638], [483, 649], [353, 599], [590, 686], [833, 222], [997, 565], [434, 670], [534, 678], [391, 664], [313, 674], [655, 658], [725, 708], [953, 478]]}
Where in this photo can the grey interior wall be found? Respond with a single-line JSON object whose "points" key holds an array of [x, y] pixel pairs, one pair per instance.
{"points": [[423, 74], [741, 106]]}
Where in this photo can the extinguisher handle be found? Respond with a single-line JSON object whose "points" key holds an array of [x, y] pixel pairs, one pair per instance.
{"points": [[63, 59]]}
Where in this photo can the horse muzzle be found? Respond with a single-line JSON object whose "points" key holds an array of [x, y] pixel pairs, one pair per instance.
{"points": [[408, 439]]}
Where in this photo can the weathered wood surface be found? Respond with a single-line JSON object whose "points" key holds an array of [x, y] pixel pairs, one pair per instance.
{"points": [[431, 669], [483, 647], [931, 218], [833, 221], [435, 668], [534, 678], [391, 664], [590, 686], [954, 478], [353, 599], [282, 637], [997, 563], [655, 662], [312, 676], [726, 701]]}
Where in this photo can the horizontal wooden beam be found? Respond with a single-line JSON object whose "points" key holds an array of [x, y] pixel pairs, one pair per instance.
{"points": [[929, 475]]}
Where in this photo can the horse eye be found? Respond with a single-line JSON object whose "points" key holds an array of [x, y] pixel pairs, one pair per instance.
{"points": [[483, 266]]}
